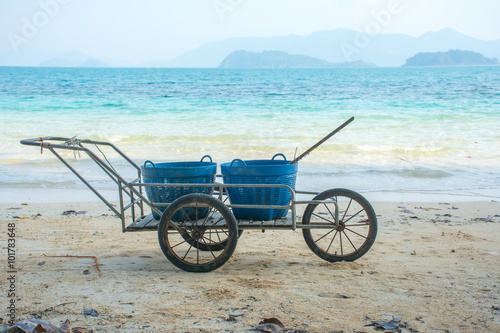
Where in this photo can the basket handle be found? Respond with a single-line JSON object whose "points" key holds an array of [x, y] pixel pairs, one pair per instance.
{"points": [[279, 154], [237, 160], [148, 161], [206, 156]]}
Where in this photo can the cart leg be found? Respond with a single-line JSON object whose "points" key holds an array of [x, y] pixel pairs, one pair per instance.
{"points": [[351, 237], [198, 233]]}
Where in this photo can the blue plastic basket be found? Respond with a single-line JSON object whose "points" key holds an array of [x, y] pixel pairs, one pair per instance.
{"points": [[178, 172], [260, 172]]}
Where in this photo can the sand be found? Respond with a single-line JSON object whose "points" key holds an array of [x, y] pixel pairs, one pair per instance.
{"points": [[434, 265]]}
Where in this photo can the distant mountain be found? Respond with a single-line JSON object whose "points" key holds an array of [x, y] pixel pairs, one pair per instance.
{"points": [[335, 46], [450, 58], [280, 59], [73, 59], [339, 45], [93, 62], [66, 59], [37, 57]]}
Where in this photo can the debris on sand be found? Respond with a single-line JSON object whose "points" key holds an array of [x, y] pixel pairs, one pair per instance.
{"points": [[270, 325], [393, 325], [38, 326], [96, 261], [70, 212]]}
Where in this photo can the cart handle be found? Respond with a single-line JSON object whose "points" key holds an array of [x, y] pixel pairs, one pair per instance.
{"points": [[279, 154], [148, 161], [237, 160], [208, 157]]}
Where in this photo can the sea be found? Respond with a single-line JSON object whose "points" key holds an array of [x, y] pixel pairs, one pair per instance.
{"points": [[422, 131]]}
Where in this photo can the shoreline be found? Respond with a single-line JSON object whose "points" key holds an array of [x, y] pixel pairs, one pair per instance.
{"points": [[52, 195]]}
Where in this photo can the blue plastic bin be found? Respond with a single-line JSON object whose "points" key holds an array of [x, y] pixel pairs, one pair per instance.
{"points": [[259, 172], [178, 172]]}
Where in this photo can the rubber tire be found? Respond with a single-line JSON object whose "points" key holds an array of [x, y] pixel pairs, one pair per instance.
{"points": [[229, 246], [372, 223]]}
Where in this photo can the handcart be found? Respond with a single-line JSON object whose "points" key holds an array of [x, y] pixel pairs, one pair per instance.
{"points": [[337, 224]]}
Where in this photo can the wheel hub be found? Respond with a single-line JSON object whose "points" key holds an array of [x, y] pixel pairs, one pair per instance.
{"points": [[197, 234], [341, 226]]}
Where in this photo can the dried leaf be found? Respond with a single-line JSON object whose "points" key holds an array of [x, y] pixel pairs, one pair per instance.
{"points": [[270, 325], [35, 326], [386, 325], [65, 328]]}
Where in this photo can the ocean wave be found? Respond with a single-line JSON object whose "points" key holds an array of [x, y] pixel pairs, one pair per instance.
{"points": [[413, 173]]}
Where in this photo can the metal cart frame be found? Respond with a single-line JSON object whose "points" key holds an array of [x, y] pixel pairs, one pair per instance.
{"points": [[132, 199]]}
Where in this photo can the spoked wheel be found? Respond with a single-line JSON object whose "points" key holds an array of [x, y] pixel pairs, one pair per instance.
{"points": [[217, 240], [352, 237], [199, 243]]}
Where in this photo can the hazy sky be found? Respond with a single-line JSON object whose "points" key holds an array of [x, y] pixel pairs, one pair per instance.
{"points": [[162, 29]]}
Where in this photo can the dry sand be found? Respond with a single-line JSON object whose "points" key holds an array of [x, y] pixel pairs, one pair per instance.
{"points": [[434, 265]]}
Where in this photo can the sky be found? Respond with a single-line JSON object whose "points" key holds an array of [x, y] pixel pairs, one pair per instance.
{"points": [[143, 30]]}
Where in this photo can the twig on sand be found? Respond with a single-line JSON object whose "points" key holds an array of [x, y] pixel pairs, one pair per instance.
{"points": [[71, 256]]}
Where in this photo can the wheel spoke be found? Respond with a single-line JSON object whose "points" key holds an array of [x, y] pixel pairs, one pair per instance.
{"points": [[356, 233], [187, 252], [213, 255], [328, 249], [353, 215], [210, 215], [328, 209], [218, 237], [186, 215], [184, 241], [329, 232], [341, 247], [345, 234], [358, 225], [349, 205], [322, 218]]}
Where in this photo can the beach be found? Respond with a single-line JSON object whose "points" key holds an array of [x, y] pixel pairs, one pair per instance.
{"points": [[433, 267], [423, 153]]}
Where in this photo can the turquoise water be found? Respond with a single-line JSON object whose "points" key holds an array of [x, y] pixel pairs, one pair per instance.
{"points": [[416, 129]]}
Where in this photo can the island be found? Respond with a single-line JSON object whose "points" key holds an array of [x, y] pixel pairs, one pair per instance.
{"points": [[280, 59], [450, 58]]}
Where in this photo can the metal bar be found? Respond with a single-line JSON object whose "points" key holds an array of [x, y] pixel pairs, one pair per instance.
{"points": [[294, 211], [317, 144], [307, 192], [316, 226], [260, 206], [85, 182], [266, 226], [219, 185], [120, 196], [132, 203], [43, 143], [307, 202]]}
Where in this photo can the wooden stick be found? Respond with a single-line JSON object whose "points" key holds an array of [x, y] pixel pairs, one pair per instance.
{"points": [[70, 256], [335, 131]]}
